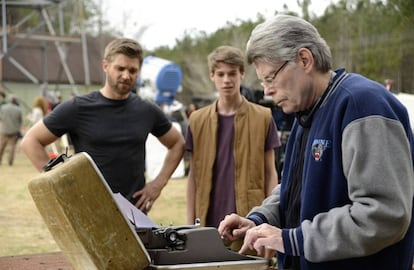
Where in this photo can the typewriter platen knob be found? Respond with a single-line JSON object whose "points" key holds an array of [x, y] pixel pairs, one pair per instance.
{"points": [[174, 239], [171, 235]]}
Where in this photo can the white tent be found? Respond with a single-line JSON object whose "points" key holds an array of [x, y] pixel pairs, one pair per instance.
{"points": [[155, 154], [408, 101]]}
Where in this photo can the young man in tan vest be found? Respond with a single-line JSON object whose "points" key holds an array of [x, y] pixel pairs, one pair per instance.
{"points": [[232, 142]]}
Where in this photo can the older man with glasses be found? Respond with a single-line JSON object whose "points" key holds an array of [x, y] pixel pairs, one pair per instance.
{"points": [[346, 195]]}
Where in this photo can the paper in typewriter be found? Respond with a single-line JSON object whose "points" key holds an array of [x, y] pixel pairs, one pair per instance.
{"points": [[136, 216]]}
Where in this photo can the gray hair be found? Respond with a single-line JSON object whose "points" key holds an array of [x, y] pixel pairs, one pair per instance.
{"points": [[280, 38]]}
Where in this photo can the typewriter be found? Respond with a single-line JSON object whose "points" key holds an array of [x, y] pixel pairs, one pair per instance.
{"points": [[184, 244]]}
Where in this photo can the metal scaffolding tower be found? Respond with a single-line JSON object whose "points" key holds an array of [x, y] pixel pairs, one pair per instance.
{"points": [[50, 13]]}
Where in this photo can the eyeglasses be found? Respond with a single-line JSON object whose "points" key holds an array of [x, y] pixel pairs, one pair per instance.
{"points": [[269, 82]]}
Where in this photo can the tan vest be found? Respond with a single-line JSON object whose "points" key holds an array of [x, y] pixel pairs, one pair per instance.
{"points": [[251, 127]]}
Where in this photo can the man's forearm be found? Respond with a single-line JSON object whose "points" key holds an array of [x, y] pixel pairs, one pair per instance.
{"points": [[36, 153]]}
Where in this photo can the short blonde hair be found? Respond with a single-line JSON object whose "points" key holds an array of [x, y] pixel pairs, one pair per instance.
{"points": [[125, 46]]}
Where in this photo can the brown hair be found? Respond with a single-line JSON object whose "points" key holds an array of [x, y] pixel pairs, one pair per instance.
{"points": [[40, 102], [124, 46], [226, 54]]}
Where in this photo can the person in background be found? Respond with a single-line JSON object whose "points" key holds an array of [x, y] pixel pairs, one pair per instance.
{"points": [[39, 110], [57, 101], [247, 93], [346, 196], [3, 100], [112, 126], [11, 118], [190, 109], [231, 142], [389, 84]]}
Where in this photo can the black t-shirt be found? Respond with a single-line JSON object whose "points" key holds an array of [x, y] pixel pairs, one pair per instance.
{"points": [[113, 133]]}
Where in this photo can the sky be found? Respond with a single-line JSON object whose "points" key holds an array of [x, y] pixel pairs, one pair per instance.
{"points": [[168, 20]]}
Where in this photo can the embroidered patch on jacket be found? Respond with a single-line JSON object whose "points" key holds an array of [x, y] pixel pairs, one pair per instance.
{"points": [[318, 148]]}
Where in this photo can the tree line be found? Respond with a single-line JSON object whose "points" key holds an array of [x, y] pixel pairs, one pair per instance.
{"points": [[374, 38]]}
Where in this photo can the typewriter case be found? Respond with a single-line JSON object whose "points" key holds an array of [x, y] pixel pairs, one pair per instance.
{"points": [[93, 232]]}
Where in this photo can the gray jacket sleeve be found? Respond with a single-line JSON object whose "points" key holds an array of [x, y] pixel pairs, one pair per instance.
{"points": [[270, 207]]}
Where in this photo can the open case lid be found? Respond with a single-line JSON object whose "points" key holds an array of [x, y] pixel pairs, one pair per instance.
{"points": [[84, 218]]}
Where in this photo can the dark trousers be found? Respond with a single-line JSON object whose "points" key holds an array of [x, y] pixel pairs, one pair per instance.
{"points": [[11, 140]]}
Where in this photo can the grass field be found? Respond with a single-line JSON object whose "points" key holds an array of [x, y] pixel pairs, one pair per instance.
{"points": [[22, 230], [27, 92]]}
